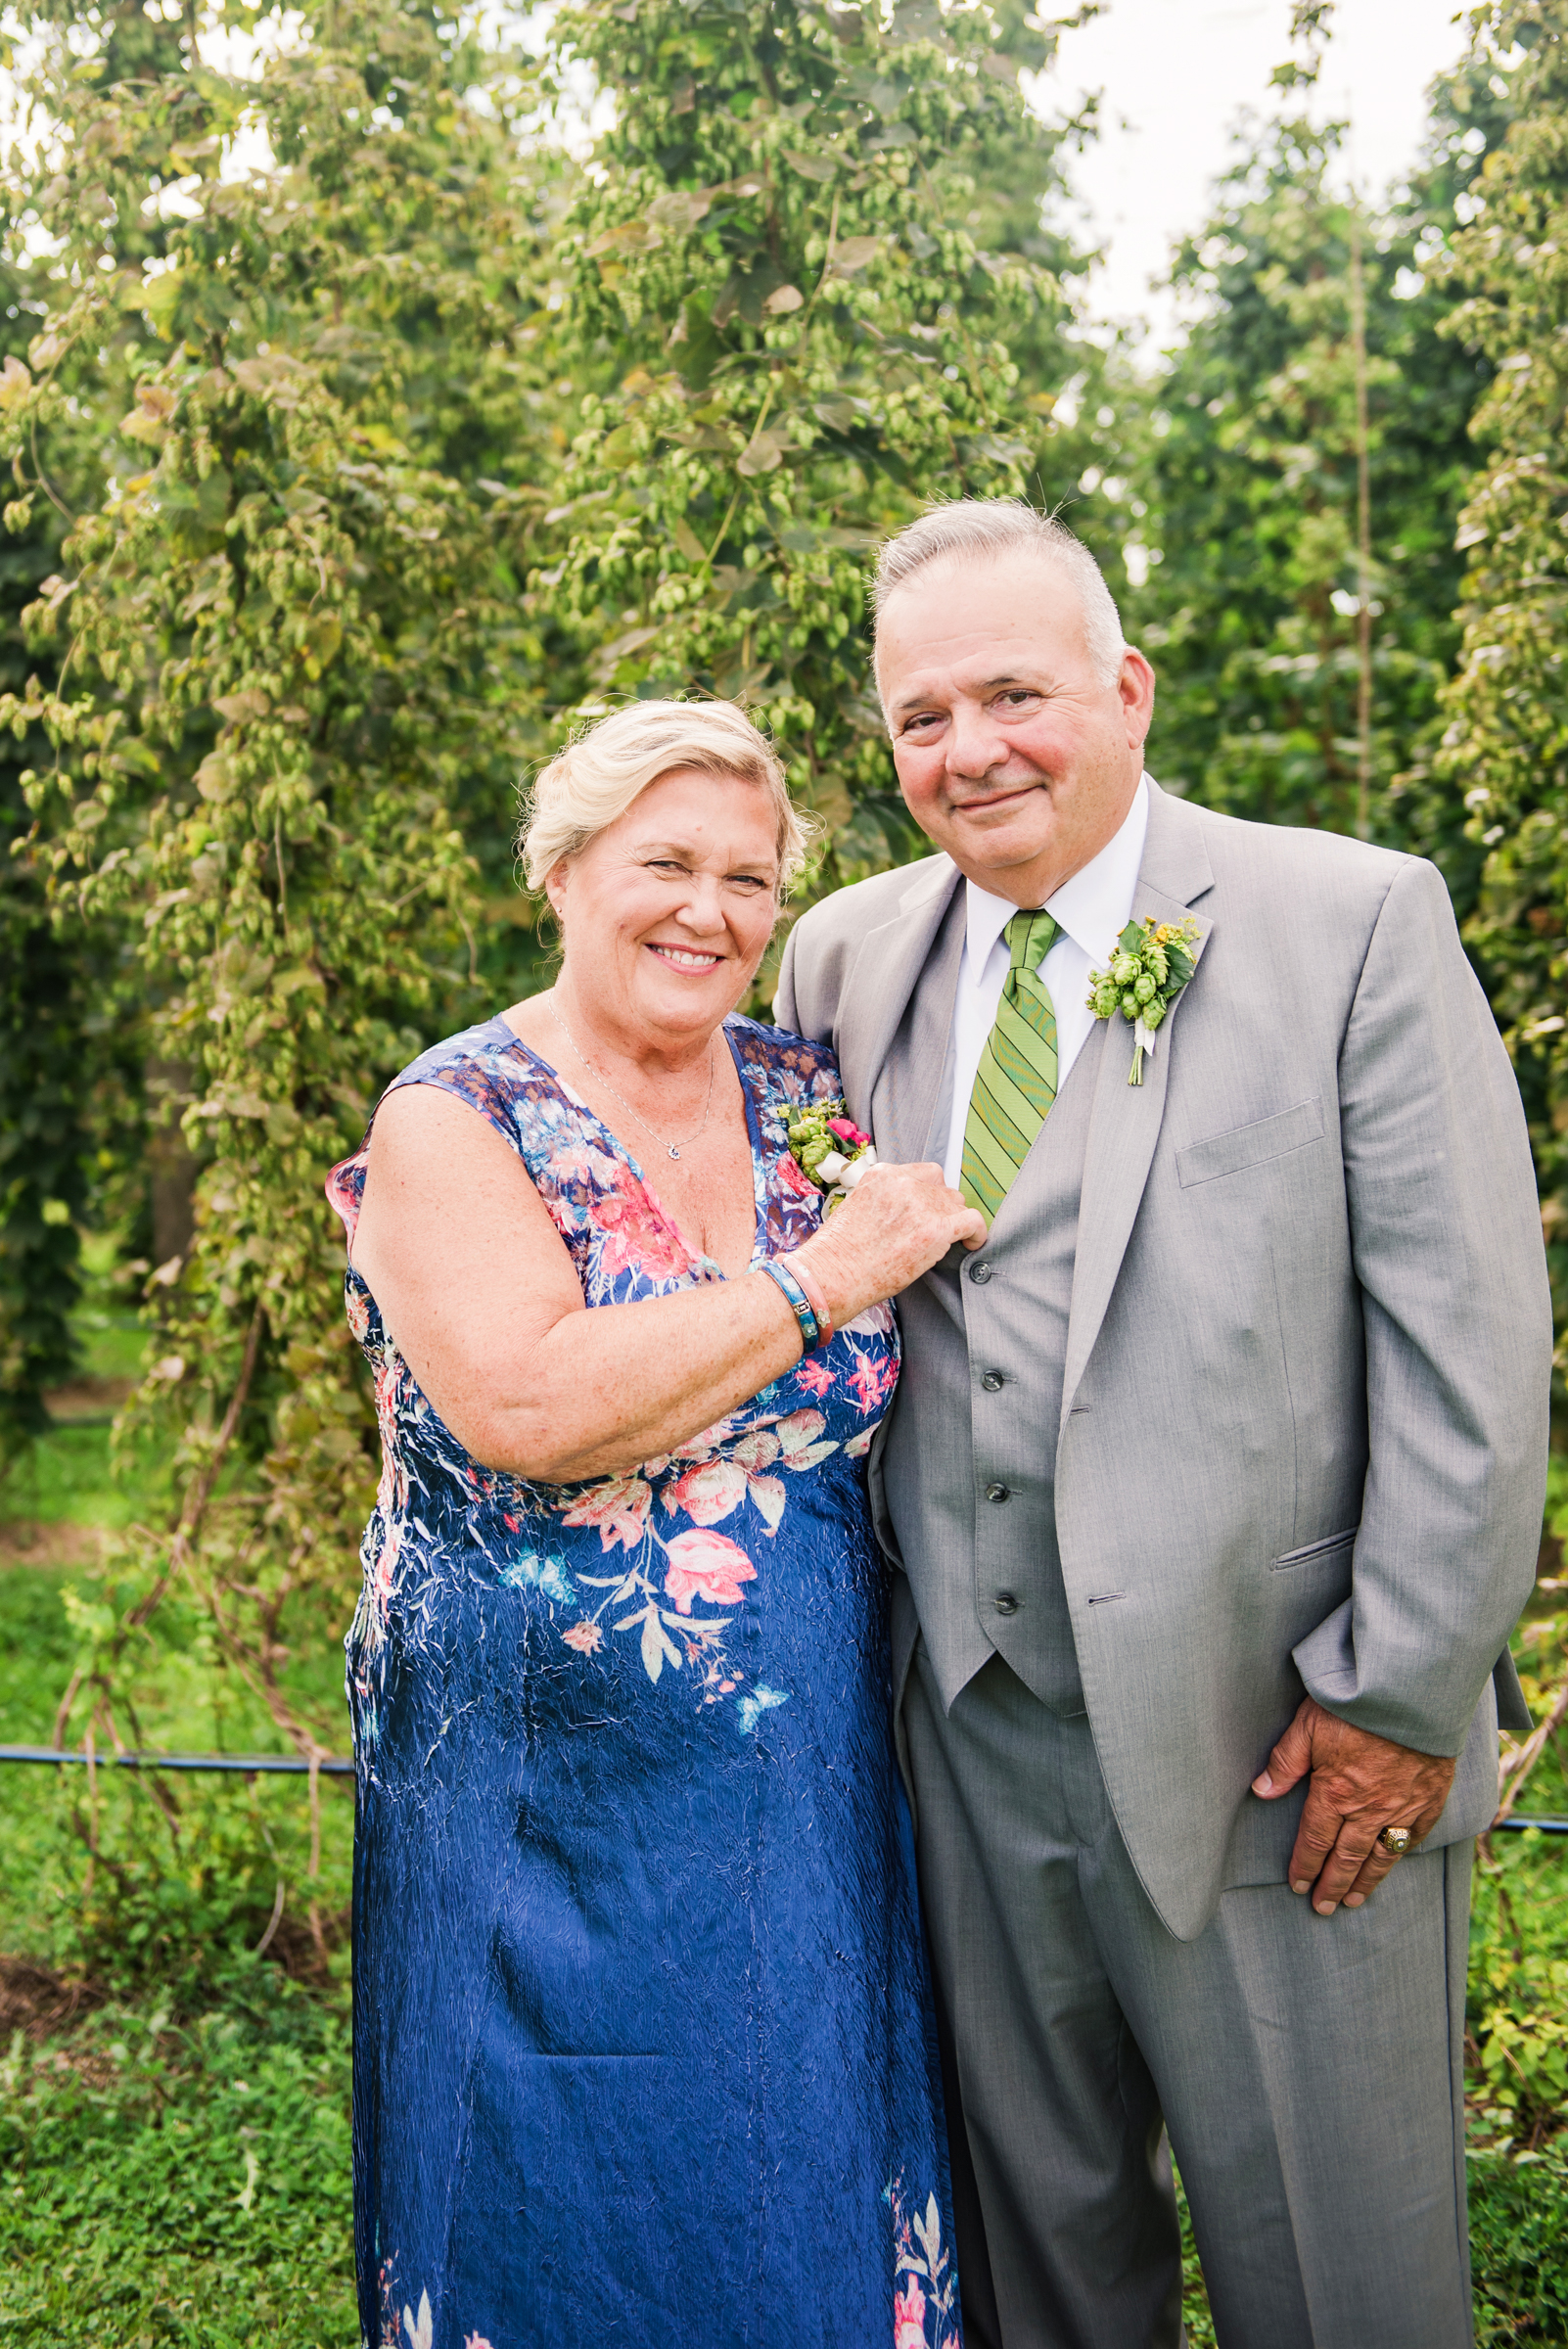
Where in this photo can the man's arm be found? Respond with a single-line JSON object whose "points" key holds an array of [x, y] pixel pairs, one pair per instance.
{"points": [[1445, 1235], [785, 1011]]}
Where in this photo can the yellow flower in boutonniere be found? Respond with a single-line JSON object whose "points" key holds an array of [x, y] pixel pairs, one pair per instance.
{"points": [[1152, 963]]}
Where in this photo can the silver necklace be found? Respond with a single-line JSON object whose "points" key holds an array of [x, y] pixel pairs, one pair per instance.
{"points": [[673, 1149]]}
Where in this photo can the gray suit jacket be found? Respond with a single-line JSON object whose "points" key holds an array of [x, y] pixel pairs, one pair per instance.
{"points": [[1302, 1433]]}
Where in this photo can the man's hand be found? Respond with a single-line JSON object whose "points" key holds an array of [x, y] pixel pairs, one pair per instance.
{"points": [[1361, 1785]]}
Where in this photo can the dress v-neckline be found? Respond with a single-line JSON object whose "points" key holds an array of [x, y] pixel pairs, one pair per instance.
{"points": [[623, 1150]]}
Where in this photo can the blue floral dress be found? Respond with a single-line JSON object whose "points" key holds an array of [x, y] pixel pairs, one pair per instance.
{"points": [[644, 2050]]}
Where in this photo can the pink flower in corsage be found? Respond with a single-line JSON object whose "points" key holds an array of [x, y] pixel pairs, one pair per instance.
{"points": [[704, 1565], [799, 1186], [830, 1150]]}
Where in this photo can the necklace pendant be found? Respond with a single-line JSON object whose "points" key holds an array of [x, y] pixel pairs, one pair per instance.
{"points": [[674, 1152]]}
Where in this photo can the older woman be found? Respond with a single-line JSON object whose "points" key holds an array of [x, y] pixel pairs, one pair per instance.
{"points": [[644, 2051]]}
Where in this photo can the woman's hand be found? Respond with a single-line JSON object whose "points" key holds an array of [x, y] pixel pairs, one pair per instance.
{"points": [[894, 1224], [479, 1296]]}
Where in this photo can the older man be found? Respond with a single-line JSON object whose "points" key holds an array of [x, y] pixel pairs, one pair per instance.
{"points": [[1215, 1479]]}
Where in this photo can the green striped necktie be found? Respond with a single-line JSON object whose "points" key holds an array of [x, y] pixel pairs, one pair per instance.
{"points": [[1015, 1082]]}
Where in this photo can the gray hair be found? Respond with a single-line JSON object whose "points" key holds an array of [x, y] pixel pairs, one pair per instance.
{"points": [[973, 527], [591, 783]]}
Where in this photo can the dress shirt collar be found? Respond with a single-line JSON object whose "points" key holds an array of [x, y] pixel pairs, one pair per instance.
{"points": [[1094, 909]]}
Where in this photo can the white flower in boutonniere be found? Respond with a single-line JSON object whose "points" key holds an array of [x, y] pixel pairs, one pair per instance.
{"points": [[1152, 963], [830, 1150]]}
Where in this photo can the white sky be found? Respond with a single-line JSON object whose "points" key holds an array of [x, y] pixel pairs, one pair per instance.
{"points": [[1177, 73], [1174, 76]]}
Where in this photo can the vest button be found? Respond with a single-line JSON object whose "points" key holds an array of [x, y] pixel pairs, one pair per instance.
{"points": [[993, 1382], [998, 1492], [1005, 1603], [980, 1272]]}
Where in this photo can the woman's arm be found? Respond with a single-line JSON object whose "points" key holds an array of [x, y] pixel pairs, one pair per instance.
{"points": [[476, 1289]]}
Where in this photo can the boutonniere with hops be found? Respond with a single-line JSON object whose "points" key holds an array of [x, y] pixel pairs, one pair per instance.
{"points": [[830, 1150], [1152, 963]]}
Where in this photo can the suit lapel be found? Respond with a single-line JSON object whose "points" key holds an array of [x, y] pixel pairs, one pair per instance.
{"points": [[904, 1095], [1125, 1123], [881, 980]]}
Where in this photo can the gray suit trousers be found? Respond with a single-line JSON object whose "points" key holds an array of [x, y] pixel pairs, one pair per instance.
{"points": [[1308, 2068]]}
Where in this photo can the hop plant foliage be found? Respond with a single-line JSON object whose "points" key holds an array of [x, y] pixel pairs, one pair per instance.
{"points": [[827, 1143], [1248, 470], [780, 245], [295, 670], [380, 461], [1152, 963], [1505, 748]]}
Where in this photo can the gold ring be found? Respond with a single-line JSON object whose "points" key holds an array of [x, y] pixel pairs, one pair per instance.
{"points": [[1396, 1841]]}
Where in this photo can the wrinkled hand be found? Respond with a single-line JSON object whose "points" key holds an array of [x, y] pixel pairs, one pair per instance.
{"points": [[896, 1223], [1361, 1784]]}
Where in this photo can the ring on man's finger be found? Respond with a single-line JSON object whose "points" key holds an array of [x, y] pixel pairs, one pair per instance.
{"points": [[1396, 1841]]}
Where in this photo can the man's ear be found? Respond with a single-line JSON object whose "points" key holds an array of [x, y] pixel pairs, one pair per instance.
{"points": [[1136, 686]]}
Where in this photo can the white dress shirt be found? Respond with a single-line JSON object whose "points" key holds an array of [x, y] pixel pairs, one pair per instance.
{"points": [[1093, 909]]}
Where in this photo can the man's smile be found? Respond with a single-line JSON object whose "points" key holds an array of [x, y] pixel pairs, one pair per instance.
{"points": [[1003, 796]]}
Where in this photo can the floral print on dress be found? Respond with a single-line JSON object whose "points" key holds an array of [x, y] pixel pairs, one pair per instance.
{"points": [[925, 2301], [417, 2332], [635, 1896], [678, 1586]]}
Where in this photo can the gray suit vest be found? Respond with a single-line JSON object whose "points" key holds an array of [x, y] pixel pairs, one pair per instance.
{"points": [[967, 1469]]}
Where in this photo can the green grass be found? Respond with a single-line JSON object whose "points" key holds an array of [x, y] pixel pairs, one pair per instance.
{"points": [[150, 1881], [174, 2166], [180, 2182], [68, 1479]]}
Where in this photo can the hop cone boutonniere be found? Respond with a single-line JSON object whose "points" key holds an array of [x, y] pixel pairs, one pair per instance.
{"points": [[1151, 965], [830, 1150]]}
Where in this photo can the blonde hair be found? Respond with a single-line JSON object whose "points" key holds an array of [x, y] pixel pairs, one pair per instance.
{"points": [[595, 779]]}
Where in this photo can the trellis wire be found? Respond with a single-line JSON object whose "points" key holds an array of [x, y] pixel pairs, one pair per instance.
{"points": [[339, 1765], [330, 1766]]}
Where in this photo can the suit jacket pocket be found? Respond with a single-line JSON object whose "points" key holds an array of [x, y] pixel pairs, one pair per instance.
{"points": [[1311, 1551], [1250, 1145], [881, 1514]]}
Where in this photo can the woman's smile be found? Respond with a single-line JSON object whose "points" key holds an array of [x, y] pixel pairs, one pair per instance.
{"points": [[685, 958]]}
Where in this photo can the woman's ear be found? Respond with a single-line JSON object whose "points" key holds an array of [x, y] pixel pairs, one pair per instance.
{"points": [[555, 888]]}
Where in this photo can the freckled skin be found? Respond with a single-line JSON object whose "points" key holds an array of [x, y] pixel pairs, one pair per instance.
{"points": [[665, 916], [1013, 752]]}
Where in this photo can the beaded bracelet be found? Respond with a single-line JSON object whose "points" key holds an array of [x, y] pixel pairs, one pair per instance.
{"points": [[814, 1298], [812, 1333]]}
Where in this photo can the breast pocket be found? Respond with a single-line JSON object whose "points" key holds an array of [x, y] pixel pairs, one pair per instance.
{"points": [[1333, 1547], [1251, 1145]]}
